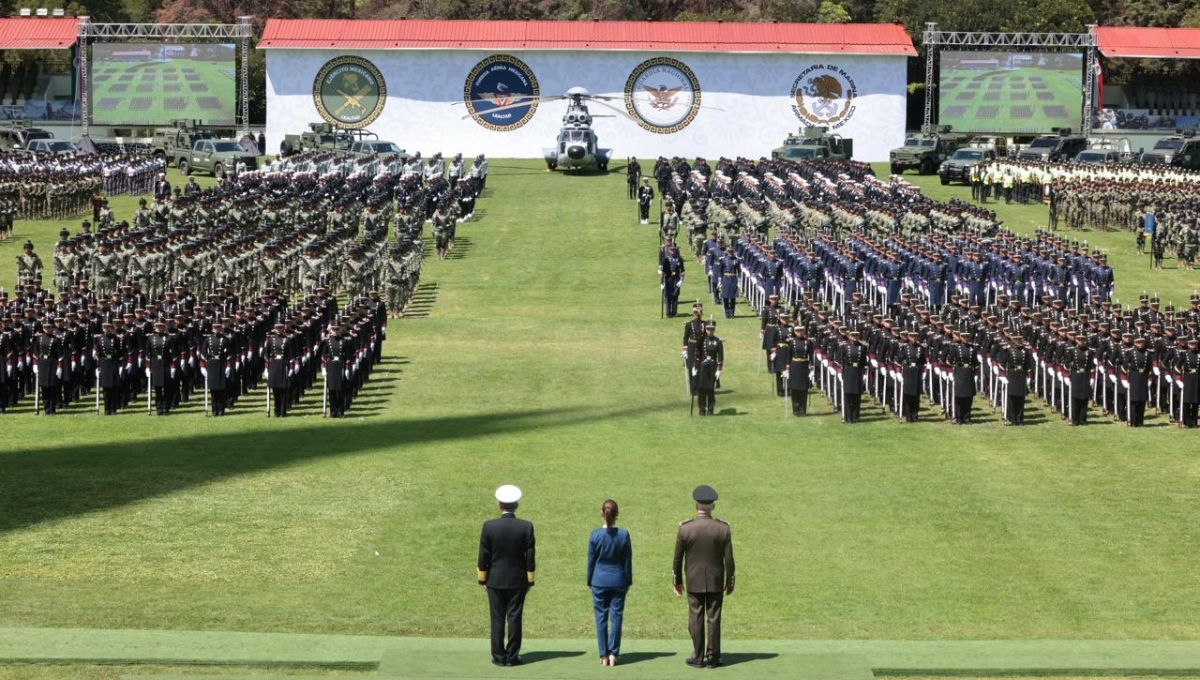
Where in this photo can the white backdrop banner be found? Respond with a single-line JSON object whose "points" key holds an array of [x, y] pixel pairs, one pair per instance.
{"points": [[683, 104]]}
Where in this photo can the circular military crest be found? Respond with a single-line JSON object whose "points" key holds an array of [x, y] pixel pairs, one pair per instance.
{"points": [[662, 95], [349, 92], [501, 93], [824, 95]]}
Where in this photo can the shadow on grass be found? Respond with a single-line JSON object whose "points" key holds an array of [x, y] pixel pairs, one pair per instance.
{"points": [[534, 657], [55, 483], [728, 659]]}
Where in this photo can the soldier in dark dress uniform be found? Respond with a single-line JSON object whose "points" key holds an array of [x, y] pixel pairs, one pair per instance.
{"points": [[160, 368], [964, 365], [704, 566], [110, 354], [334, 357], [279, 356], [645, 196], [728, 269], [506, 569], [912, 358], [671, 272], [1017, 362], [708, 373], [800, 352], [1137, 365], [693, 335], [1187, 365], [853, 357], [218, 351], [1081, 363], [769, 327], [633, 174], [48, 358]]}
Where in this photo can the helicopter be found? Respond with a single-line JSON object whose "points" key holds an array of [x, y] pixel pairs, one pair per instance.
{"points": [[577, 146]]}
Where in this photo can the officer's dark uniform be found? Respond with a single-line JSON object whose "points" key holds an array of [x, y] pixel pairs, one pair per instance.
{"points": [[1188, 368], [334, 359], [853, 357], [48, 355], [645, 197], [109, 354], [800, 352], [1081, 362], [912, 365], [712, 357], [693, 335], [217, 351], [964, 364], [279, 379], [506, 566], [1138, 367], [703, 566], [1017, 363]]}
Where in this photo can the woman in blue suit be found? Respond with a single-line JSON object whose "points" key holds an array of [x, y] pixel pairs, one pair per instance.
{"points": [[609, 575]]}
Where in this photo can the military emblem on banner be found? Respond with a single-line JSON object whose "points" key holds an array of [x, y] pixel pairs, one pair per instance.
{"points": [[501, 93], [349, 92], [824, 94], [662, 95]]}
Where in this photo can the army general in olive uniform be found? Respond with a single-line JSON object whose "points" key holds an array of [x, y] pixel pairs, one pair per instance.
{"points": [[703, 565]]}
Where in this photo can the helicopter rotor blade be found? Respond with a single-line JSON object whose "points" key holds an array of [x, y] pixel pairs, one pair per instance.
{"points": [[621, 112]]}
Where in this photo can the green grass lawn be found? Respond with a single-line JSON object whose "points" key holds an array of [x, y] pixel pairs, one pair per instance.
{"points": [[536, 357]]}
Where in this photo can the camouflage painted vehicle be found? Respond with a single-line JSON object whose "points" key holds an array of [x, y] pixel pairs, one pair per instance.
{"points": [[814, 142], [925, 151]]}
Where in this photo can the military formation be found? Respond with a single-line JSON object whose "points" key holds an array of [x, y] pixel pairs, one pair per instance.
{"points": [[1159, 203], [869, 289], [214, 293], [59, 187]]}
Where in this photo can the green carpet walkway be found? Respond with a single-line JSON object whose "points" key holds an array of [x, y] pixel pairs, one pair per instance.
{"points": [[571, 659]]}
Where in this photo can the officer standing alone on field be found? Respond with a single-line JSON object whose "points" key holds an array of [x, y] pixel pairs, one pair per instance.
{"points": [[645, 197], [506, 571], [704, 565]]}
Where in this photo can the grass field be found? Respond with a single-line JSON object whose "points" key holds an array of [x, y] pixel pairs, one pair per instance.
{"points": [[1020, 100], [150, 93], [534, 356]]}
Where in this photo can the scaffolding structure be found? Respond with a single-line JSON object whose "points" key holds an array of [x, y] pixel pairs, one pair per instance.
{"points": [[242, 32], [935, 40]]}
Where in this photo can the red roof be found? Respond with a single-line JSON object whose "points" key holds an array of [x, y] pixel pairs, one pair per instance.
{"points": [[37, 33], [397, 34], [1151, 43]]}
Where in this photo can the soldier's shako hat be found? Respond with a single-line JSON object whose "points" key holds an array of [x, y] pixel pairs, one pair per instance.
{"points": [[704, 494]]}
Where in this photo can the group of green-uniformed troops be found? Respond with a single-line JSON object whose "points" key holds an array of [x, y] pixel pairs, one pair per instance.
{"points": [[1107, 196], [131, 314], [57, 187]]}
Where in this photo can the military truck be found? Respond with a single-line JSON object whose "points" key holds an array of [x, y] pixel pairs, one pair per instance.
{"points": [[814, 142], [1181, 149], [375, 146], [1104, 150], [1059, 145], [18, 134], [323, 137], [214, 156], [957, 168], [53, 147], [167, 142], [926, 150]]}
